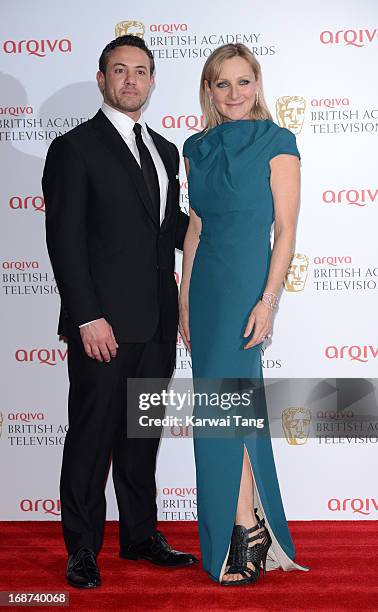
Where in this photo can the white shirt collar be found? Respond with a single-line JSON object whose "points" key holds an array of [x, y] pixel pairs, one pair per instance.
{"points": [[123, 123]]}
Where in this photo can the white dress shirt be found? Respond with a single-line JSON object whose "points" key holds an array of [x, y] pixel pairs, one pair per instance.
{"points": [[124, 126]]}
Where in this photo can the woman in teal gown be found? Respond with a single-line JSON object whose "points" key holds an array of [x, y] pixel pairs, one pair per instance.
{"points": [[228, 290]]}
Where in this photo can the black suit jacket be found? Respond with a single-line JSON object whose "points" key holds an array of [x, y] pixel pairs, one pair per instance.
{"points": [[110, 256]]}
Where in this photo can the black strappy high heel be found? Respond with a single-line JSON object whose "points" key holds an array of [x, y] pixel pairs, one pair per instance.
{"points": [[241, 553]]}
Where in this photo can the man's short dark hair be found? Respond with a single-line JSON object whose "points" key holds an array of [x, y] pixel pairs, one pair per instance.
{"points": [[129, 40]]}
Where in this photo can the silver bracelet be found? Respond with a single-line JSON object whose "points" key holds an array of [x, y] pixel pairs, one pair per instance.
{"points": [[270, 300]]}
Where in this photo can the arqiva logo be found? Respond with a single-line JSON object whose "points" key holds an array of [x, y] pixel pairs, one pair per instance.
{"points": [[333, 260], [26, 416], [358, 197], [16, 111], [20, 265], [179, 491], [331, 414], [356, 38], [48, 506], [27, 203], [43, 356], [169, 28], [354, 352], [356, 504], [38, 47], [330, 102], [190, 122]]}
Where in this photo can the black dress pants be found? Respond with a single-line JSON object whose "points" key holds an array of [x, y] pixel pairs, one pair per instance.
{"points": [[97, 433]]}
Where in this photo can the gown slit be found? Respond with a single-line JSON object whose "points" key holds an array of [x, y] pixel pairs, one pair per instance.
{"points": [[276, 557]]}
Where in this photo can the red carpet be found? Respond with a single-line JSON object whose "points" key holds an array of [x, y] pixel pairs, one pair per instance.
{"points": [[343, 557]]}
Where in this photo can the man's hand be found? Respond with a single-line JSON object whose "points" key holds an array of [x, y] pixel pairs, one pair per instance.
{"points": [[99, 341]]}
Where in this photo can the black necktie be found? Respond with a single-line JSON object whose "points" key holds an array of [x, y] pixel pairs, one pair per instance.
{"points": [[148, 170]]}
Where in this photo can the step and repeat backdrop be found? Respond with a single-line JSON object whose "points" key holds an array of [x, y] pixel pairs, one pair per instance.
{"points": [[319, 65]]}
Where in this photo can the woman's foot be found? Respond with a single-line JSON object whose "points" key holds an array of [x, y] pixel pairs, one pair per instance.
{"points": [[249, 546]]}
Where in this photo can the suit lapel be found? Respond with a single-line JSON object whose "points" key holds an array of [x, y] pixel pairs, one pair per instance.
{"points": [[116, 145]]}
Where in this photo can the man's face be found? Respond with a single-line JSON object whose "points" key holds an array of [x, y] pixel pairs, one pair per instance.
{"points": [[127, 81]]}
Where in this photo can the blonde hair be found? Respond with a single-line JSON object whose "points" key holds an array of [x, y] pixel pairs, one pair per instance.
{"points": [[211, 72]]}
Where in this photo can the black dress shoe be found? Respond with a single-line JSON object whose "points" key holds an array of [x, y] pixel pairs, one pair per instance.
{"points": [[82, 569], [157, 550]]}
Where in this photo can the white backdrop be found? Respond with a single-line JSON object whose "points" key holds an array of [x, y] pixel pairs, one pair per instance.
{"points": [[322, 57]]}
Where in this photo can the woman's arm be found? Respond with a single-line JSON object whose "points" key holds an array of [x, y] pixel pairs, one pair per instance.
{"points": [[190, 247], [285, 185]]}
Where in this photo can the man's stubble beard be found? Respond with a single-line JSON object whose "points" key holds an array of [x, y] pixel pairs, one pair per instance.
{"points": [[124, 106], [130, 108]]}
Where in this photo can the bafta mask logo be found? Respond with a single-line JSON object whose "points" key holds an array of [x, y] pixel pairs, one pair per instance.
{"points": [[1, 423], [296, 425], [290, 112], [296, 275], [136, 28]]}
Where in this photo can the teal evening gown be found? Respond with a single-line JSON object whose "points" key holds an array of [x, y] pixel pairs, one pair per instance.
{"points": [[229, 189]]}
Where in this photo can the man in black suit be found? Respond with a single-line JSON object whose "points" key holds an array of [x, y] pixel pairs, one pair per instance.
{"points": [[113, 222]]}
